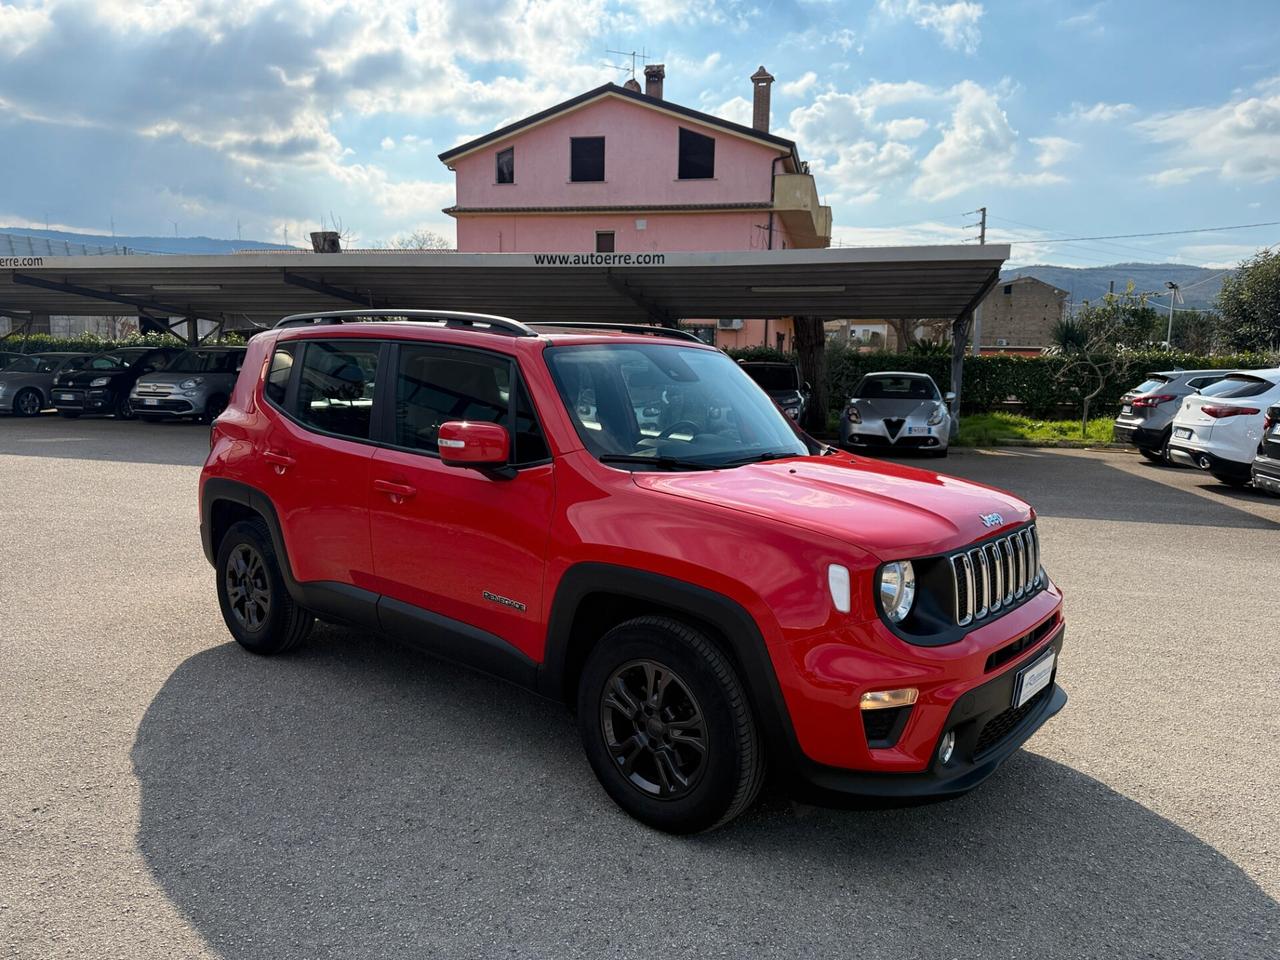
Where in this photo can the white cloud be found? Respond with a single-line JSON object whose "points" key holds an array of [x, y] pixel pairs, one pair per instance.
{"points": [[1053, 150], [735, 110], [798, 88], [20, 27], [1099, 112], [978, 147], [955, 23], [905, 128], [1239, 139], [387, 143], [1175, 176]]}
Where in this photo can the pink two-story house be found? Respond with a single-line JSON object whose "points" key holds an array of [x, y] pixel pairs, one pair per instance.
{"points": [[618, 170]]}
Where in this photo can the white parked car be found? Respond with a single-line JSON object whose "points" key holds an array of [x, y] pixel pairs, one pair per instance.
{"points": [[1219, 428]]}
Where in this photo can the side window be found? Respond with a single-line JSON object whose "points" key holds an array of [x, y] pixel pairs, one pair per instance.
{"points": [[277, 384], [335, 391], [435, 385], [530, 445]]}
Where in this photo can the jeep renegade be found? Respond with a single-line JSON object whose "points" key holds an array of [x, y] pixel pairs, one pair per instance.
{"points": [[619, 518]]}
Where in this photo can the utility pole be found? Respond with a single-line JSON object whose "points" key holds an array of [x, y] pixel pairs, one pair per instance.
{"points": [[982, 227], [1174, 295]]}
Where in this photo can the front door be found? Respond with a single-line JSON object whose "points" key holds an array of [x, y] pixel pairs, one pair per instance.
{"points": [[465, 544]]}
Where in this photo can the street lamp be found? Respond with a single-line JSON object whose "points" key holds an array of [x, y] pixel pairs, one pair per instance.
{"points": [[1174, 296]]}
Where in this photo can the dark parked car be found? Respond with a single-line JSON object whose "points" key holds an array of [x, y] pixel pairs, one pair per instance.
{"points": [[1266, 466], [26, 384], [197, 383], [781, 381], [103, 385]]}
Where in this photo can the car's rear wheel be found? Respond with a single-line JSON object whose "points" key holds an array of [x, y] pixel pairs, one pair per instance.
{"points": [[1158, 454], [667, 728], [255, 603], [27, 403]]}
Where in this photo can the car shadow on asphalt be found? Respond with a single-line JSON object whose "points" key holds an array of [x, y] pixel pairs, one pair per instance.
{"points": [[180, 443], [357, 799], [1093, 488]]}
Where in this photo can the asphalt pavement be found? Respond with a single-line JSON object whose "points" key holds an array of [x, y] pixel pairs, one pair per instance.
{"points": [[165, 794]]}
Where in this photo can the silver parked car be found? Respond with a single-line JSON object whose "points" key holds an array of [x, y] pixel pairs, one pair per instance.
{"points": [[26, 382], [196, 383], [897, 411], [1147, 411]]}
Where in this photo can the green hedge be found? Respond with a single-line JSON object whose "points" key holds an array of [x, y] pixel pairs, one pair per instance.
{"points": [[1034, 382], [92, 343]]}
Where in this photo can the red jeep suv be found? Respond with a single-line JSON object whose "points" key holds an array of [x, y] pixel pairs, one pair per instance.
{"points": [[619, 518]]}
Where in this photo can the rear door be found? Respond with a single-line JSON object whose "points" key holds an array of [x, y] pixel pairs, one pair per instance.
{"points": [[316, 453], [465, 544]]}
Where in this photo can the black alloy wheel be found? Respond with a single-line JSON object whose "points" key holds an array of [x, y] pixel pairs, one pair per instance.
{"points": [[248, 589], [654, 729], [124, 408], [667, 726], [27, 403]]}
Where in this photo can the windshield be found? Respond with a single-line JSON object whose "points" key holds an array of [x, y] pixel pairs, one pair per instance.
{"points": [[879, 387], [206, 361], [1235, 386], [677, 406], [773, 376]]}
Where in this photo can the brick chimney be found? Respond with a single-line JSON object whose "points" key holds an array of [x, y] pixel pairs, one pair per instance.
{"points": [[632, 85], [653, 76], [761, 81]]}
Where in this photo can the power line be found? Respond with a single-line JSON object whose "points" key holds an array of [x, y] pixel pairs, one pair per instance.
{"points": [[1118, 246], [1163, 233]]}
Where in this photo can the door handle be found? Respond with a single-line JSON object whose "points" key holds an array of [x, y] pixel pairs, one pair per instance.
{"points": [[279, 460], [396, 491]]}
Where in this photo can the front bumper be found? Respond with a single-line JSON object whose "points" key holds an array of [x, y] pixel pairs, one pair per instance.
{"points": [[84, 401], [166, 406], [874, 436]]}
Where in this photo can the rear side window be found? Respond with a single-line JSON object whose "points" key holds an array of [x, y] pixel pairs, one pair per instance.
{"points": [[1199, 382], [277, 384], [1150, 384], [1235, 387], [335, 388]]}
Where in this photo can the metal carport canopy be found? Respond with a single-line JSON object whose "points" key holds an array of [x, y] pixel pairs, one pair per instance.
{"points": [[254, 289]]}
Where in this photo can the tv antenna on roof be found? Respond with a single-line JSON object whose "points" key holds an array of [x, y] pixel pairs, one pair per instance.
{"points": [[641, 56]]}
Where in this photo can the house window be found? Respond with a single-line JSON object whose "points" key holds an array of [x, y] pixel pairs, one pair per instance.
{"points": [[505, 166], [604, 241], [1008, 289], [697, 156], [586, 159]]}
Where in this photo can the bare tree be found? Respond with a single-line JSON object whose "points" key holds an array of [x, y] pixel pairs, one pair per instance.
{"points": [[1094, 359], [420, 239]]}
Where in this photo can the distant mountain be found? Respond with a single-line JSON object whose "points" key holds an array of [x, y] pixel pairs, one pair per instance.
{"points": [[1090, 283], [46, 242]]}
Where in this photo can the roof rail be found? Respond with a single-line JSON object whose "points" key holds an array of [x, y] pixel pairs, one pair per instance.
{"points": [[641, 328], [448, 318]]}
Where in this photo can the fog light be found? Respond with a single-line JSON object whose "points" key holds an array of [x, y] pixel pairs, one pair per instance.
{"points": [[947, 747], [884, 699]]}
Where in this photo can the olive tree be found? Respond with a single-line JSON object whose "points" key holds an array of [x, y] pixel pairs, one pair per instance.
{"points": [[1249, 304]]}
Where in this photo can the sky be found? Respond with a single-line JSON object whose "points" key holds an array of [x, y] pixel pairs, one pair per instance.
{"points": [[265, 117]]}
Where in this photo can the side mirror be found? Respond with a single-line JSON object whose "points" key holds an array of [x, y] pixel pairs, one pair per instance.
{"points": [[949, 397], [464, 443]]}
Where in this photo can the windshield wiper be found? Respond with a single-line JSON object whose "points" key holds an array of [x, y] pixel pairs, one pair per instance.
{"points": [[673, 463], [758, 458]]}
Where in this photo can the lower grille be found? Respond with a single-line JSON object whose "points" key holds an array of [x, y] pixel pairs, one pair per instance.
{"points": [[1003, 724], [893, 425]]}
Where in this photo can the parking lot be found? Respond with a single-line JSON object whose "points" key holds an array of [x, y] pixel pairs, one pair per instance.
{"points": [[163, 793]]}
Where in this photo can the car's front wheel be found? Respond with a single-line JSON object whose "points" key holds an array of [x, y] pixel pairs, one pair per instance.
{"points": [[1232, 479], [255, 603], [667, 728], [124, 408], [27, 403]]}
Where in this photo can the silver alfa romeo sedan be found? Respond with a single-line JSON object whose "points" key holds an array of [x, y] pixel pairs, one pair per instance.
{"points": [[892, 410]]}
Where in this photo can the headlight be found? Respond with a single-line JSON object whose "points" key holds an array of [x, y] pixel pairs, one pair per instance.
{"points": [[935, 418], [897, 589], [191, 384], [853, 414], [99, 381]]}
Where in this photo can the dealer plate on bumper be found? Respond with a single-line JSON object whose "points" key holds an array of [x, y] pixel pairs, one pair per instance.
{"points": [[917, 431], [1031, 680], [1182, 433]]}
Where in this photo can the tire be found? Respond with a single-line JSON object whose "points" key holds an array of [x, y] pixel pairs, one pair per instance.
{"points": [[124, 409], [674, 786], [1232, 479], [213, 407], [256, 605], [69, 414], [27, 403], [1155, 456]]}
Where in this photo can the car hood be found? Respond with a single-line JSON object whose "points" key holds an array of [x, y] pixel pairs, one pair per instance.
{"points": [[892, 511], [894, 409], [168, 376], [82, 378]]}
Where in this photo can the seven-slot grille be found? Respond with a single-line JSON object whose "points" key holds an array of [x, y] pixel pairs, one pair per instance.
{"points": [[995, 574]]}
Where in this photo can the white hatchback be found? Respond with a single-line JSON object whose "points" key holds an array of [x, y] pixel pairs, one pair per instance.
{"points": [[1218, 429]]}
